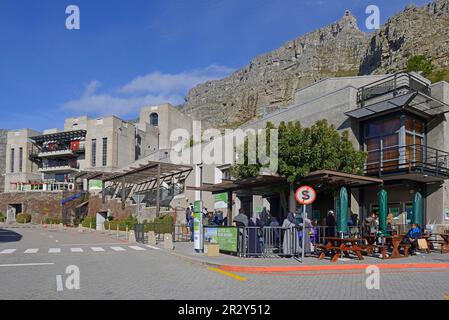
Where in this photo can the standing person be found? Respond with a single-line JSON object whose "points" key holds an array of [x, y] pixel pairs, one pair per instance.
{"points": [[188, 215], [390, 219], [331, 224], [290, 240], [191, 224]]}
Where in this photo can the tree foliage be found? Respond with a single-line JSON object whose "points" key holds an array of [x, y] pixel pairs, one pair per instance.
{"points": [[304, 150], [420, 63]]}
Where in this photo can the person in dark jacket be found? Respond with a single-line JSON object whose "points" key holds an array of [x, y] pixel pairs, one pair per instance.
{"points": [[331, 224], [413, 236]]}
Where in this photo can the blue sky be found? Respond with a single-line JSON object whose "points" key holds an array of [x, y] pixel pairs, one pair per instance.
{"points": [[133, 52]]}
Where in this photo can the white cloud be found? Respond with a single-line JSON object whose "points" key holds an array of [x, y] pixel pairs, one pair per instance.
{"points": [[153, 88], [181, 82]]}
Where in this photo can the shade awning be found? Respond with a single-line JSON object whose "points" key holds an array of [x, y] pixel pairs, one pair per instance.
{"points": [[65, 135], [415, 102]]}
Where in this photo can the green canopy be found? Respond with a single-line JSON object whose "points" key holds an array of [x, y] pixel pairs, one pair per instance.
{"points": [[342, 223], [418, 209], [383, 210]]}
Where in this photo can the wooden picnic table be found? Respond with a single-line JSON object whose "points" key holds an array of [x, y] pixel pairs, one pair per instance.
{"points": [[395, 243], [338, 246], [444, 243]]}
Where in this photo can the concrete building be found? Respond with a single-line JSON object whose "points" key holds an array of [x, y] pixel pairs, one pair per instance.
{"points": [[3, 142], [400, 121]]}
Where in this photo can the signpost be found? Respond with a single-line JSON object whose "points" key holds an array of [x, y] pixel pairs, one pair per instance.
{"points": [[305, 195], [138, 198], [198, 226]]}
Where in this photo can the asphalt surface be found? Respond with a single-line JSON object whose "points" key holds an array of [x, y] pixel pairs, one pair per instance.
{"points": [[32, 260]]}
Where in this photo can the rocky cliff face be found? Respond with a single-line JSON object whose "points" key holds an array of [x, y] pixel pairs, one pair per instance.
{"points": [[415, 31], [271, 80]]}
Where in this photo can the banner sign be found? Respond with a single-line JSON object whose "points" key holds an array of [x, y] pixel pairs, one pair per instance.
{"points": [[227, 239], [95, 185], [198, 226], [221, 200]]}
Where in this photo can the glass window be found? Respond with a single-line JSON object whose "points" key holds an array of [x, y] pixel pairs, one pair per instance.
{"points": [[12, 160], [20, 159], [105, 152], [94, 153], [154, 119]]}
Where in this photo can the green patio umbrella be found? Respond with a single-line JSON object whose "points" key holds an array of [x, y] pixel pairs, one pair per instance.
{"points": [[342, 224], [418, 209], [383, 211]]}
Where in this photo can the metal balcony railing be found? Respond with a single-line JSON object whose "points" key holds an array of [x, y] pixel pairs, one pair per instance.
{"points": [[59, 164], [410, 158], [397, 83]]}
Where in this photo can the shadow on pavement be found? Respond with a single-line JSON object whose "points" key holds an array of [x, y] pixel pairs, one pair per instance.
{"points": [[9, 236]]}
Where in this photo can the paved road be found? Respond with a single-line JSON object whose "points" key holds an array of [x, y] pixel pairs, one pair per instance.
{"points": [[32, 258]]}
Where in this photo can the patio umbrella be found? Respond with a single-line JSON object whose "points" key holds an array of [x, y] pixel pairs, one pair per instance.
{"points": [[342, 223], [417, 209], [383, 210]]}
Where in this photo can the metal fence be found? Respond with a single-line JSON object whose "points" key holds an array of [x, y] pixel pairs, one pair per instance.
{"points": [[180, 232], [273, 242]]}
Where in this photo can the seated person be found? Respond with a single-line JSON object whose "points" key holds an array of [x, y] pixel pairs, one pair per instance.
{"points": [[413, 235]]}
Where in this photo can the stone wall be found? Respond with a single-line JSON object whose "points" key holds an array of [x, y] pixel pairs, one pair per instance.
{"points": [[39, 204]]}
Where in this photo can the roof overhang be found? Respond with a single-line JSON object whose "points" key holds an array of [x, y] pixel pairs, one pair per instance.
{"points": [[414, 102], [264, 184], [65, 135]]}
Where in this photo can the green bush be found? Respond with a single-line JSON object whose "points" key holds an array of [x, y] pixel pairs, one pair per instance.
{"points": [[53, 220], [420, 63], [2, 217], [89, 222], [23, 218], [122, 224], [160, 225]]}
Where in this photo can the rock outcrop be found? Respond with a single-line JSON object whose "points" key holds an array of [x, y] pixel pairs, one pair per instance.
{"points": [[415, 31], [271, 80]]}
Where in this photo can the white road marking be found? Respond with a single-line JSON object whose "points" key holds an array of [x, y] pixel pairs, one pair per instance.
{"points": [[137, 248], [90, 244], [26, 264], [118, 249], [31, 251], [8, 251], [97, 249], [154, 248], [54, 250], [76, 250]]}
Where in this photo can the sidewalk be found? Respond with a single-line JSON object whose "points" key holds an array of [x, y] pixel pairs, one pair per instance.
{"points": [[185, 251]]}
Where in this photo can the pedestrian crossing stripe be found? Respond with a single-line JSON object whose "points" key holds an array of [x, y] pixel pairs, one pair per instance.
{"points": [[97, 249], [118, 249], [8, 251], [78, 250], [31, 251], [137, 248]]}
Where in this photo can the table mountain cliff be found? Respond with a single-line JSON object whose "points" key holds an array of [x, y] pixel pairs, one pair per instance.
{"points": [[270, 80]]}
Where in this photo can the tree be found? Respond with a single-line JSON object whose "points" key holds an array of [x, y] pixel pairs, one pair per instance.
{"points": [[420, 63], [303, 150]]}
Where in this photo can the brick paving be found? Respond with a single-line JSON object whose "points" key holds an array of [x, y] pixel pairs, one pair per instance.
{"points": [[158, 274]]}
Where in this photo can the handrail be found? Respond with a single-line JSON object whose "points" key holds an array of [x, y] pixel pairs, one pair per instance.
{"points": [[391, 84], [408, 157]]}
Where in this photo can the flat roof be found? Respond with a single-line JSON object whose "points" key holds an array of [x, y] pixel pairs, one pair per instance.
{"points": [[415, 102], [261, 184], [143, 173], [59, 135]]}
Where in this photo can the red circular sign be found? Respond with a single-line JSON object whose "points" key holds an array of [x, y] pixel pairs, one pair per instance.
{"points": [[305, 195]]}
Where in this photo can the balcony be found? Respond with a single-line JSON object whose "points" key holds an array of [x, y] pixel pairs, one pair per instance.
{"points": [[59, 167], [56, 152], [415, 162], [396, 84], [400, 91]]}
